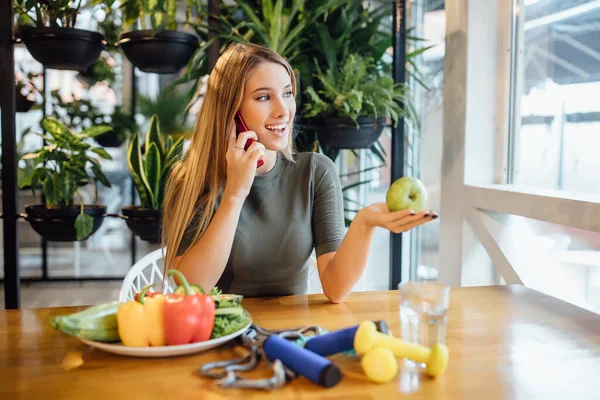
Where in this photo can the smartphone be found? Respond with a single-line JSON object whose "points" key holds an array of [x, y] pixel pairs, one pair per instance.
{"points": [[240, 126]]}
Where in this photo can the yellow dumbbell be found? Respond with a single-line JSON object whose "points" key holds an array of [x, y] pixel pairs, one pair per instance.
{"points": [[379, 365], [435, 359]]}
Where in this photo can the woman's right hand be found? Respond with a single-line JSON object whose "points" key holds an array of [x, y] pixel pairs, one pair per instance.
{"points": [[241, 164]]}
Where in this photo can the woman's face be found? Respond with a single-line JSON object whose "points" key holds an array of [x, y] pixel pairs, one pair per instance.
{"points": [[268, 106]]}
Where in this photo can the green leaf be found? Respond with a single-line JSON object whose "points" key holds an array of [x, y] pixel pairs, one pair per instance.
{"points": [[51, 188], [28, 180], [275, 28], [417, 52], [101, 152], [55, 128], [267, 9], [97, 130], [153, 171], [83, 225], [356, 184], [154, 136], [31, 156], [67, 187], [100, 176], [175, 152], [136, 168]]}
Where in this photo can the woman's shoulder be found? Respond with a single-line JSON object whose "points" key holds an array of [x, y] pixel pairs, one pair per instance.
{"points": [[315, 159], [317, 163]]}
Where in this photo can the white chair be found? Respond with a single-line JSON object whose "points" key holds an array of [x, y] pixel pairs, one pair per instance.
{"points": [[145, 272], [313, 282]]}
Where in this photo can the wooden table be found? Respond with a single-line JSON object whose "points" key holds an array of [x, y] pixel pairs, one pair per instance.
{"points": [[505, 342]]}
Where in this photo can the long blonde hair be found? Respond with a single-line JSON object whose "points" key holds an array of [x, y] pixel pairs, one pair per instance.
{"points": [[198, 179]]}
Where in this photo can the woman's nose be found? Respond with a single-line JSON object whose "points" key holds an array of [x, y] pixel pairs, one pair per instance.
{"points": [[280, 108]]}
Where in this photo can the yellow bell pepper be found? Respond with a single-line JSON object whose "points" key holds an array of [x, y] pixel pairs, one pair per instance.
{"points": [[141, 324]]}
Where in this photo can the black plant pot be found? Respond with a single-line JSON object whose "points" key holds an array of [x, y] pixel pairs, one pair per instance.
{"points": [[109, 139], [342, 132], [22, 103], [58, 224], [64, 48], [164, 53], [143, 222]]}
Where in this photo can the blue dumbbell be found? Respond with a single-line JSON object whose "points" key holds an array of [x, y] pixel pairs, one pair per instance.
{"points": [[338, 341], [306, 363]]}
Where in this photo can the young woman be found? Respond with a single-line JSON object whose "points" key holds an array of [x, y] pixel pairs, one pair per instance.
{"points": [[251, 230]]}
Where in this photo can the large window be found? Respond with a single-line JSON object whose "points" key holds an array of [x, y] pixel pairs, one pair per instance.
{"points": [[558, 79], [520, 194]]}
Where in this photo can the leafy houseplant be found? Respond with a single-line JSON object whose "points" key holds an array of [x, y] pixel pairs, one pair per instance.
{"points": [[150, 172], [158, 47], [354, 101], [48, 30], [60, 169], [353, 27], [275, 25]]}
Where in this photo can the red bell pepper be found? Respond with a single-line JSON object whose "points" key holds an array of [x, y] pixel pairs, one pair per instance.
{"points": [[189, 318]]}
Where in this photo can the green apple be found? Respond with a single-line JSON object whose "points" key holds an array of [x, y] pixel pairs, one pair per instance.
{"points": [[406, 193]]}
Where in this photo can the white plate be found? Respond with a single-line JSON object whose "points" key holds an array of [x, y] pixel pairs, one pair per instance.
{"points": [[164, 351]]}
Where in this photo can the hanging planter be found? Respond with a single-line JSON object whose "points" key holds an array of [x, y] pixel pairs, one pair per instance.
{"points": [[63, 48], [58, 224], [110, 139], [143, 222], [342, 132], [164, 53], [60, 219]]}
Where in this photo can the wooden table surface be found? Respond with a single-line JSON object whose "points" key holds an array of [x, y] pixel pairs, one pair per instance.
{"points": [[506, 342]]}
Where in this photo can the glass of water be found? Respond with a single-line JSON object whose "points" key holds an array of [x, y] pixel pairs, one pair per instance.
{"points": [[423, 312]]}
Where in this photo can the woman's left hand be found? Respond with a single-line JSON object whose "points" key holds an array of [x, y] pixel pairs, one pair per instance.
{"points": [[378, 214]]}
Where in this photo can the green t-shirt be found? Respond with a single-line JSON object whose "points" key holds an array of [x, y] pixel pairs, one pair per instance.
{"points": [[292, 209]]}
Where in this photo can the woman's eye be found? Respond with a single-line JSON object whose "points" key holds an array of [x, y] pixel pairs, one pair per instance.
{"points": [[288, 94], [263, 97]]}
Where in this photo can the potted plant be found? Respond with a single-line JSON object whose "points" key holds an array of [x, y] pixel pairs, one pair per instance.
{"points": [[352, 103], [60, 167], [48, 30], [158, 47], [150, 172]]}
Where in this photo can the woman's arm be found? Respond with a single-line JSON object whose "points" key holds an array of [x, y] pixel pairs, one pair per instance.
{"points": [[204, 263], [339, 271]]}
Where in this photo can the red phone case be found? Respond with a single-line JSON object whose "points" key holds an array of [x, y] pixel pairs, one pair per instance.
{"points": [[240, 126]]}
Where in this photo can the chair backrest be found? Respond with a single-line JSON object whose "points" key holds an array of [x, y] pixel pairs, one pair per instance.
{"points": [[145, 272]]}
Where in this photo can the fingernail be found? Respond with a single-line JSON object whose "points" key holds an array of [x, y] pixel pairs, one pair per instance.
{"points": [[412, 212], [434, 216], [426, 215]]}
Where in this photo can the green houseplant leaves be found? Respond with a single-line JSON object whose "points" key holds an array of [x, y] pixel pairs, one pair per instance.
{"points": [[64, 164]]}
